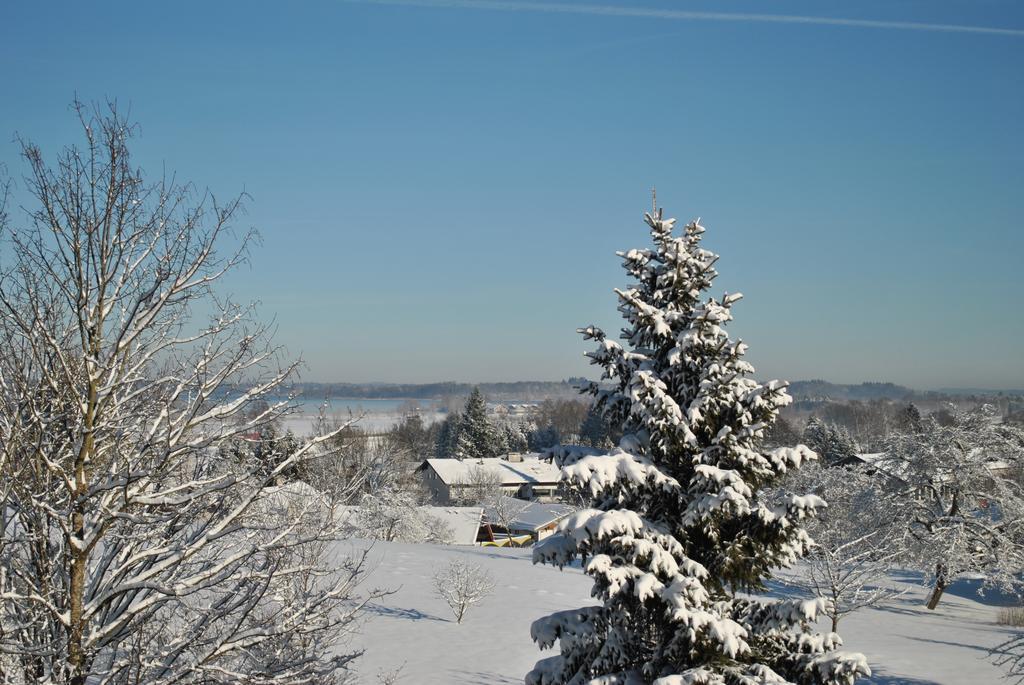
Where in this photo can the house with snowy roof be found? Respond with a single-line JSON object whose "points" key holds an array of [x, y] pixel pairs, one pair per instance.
{"points": [[524, 477], [535, 519], [877, 465]]}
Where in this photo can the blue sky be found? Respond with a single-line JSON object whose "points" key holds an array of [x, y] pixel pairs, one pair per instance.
{"points": [[441, 186]]}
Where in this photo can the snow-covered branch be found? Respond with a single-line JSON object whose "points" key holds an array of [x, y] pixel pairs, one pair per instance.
{"points": [[132, 547]]}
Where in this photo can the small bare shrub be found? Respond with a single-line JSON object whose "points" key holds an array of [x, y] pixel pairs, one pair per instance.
{"points": [[461, 585]]}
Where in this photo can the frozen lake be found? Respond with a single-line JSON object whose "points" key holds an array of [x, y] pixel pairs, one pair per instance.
{"points": [[373, 414], [311, 405]]}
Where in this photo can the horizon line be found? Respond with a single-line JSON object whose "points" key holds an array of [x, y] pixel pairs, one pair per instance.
{"points": [[941, 389]]}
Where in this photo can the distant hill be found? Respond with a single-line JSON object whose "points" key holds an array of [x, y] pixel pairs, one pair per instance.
{"points": [[823, 390], [819, 389], [495, 392], [981, 392], [812, 390]]}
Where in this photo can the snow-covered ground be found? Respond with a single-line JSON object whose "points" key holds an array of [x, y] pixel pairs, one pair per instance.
{"points": [[906, 644], [413, 632]]}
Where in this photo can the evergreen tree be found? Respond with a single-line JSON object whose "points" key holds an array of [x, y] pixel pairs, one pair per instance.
{"points": [[908, 420], [448, 436], [780, 433], [678, 523], [515, 436], [816, 433], [477, 438], [543, 437], [501, 445], [830, 442], [595, 431], [843, 447]]}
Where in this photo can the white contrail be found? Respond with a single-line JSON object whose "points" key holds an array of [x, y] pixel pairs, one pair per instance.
{"points": [[686, 15]]}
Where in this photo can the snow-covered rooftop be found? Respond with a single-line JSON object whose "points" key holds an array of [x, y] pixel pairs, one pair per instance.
{"points": [[530, 470], [899, 468], [464, 521], [534, 515]]}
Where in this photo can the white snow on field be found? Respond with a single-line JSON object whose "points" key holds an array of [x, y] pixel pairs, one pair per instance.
{"points": [[413, 630], [906, 644]]}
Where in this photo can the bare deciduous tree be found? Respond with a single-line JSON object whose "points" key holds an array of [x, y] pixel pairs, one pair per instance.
{"points": [[502, 510], [479, 486], [393, 514], [963, 498], [857, 540], [359, 464], [461, 585], [851, 575], [483, 487], [130, 551]]}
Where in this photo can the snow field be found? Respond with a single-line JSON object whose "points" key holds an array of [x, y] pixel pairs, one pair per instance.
{"points": [[414, 632]]}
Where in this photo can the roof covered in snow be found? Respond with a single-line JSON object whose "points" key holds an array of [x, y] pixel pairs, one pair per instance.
{"points": [[880, 463], [534, 515], [530, 470], [464, 521], [899, 469]]}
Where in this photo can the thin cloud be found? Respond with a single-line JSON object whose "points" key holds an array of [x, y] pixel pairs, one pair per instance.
{"points": [[686, 15]]}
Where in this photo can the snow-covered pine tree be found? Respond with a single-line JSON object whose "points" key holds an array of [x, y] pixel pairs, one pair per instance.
{"points": [[908, 419], [678, 525], [515, 436], [830, 442], [816, 432], [595, 430], [448, 436], [543, 437], [477, 437]]}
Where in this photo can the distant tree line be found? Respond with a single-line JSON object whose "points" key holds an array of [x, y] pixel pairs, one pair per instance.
{"points": [[868, 425], [472, 433], [525, 390]]}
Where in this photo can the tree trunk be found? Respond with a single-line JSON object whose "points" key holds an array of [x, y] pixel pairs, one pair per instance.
{"points": [[941, 583], [835, 623], [933, 600], [76, 656], [80, 555]]}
